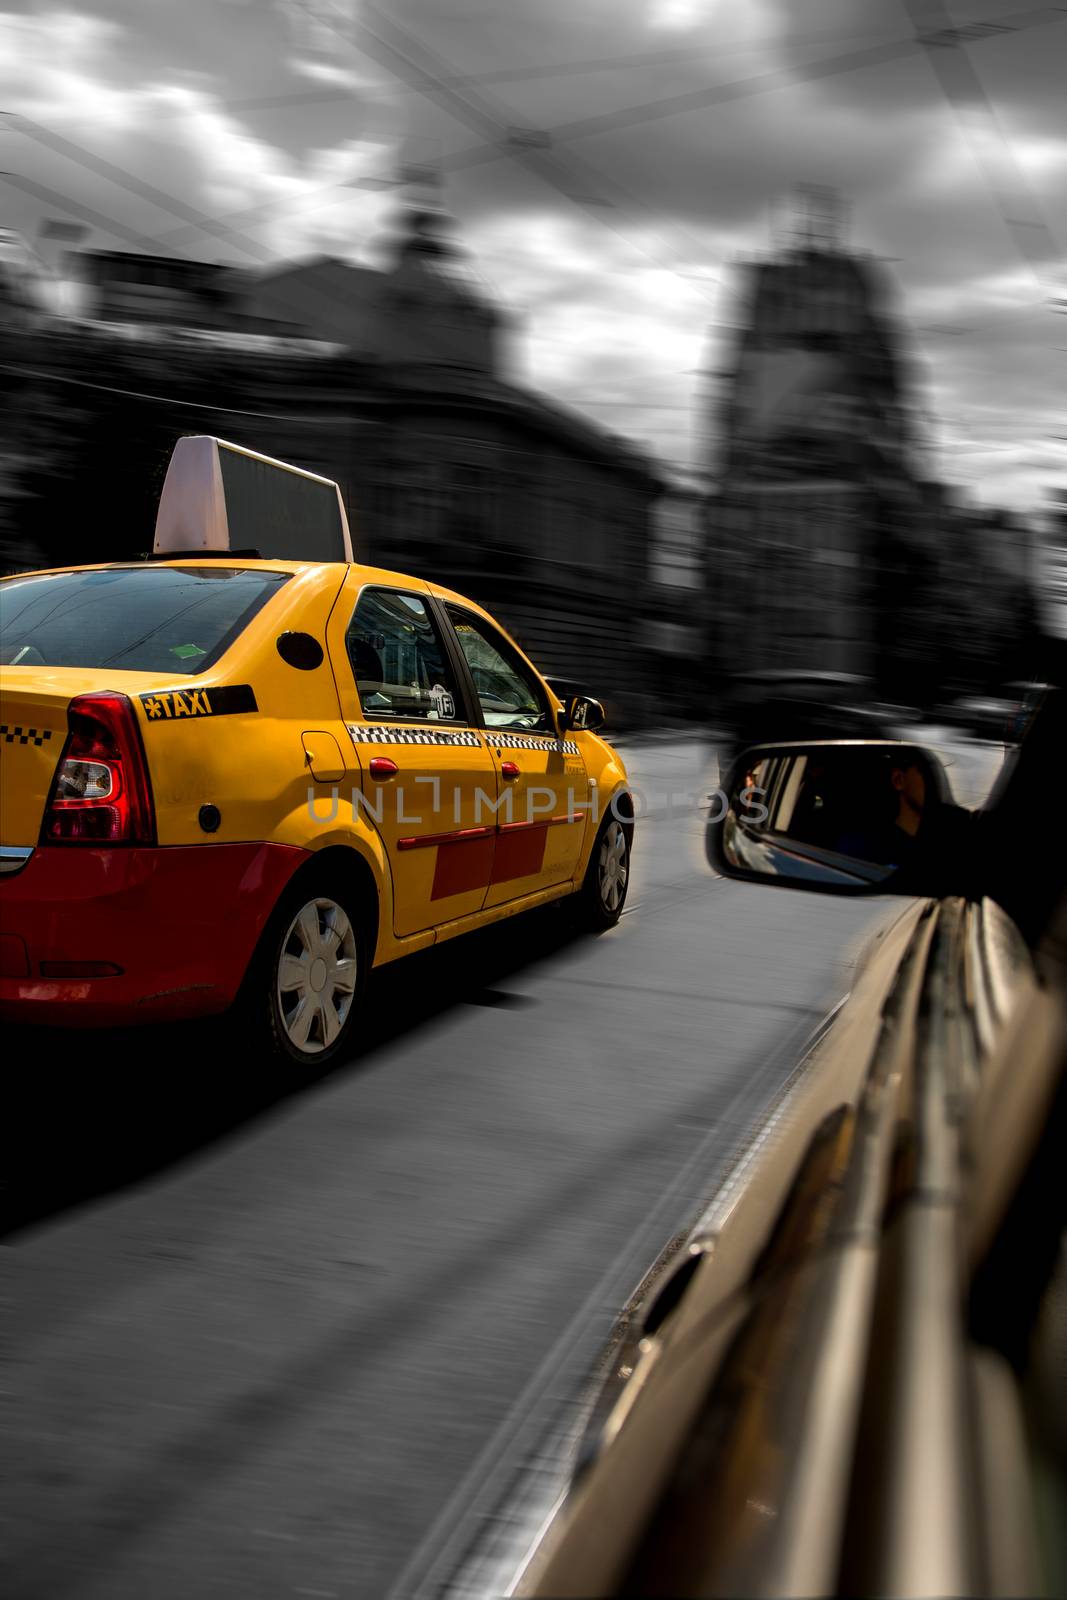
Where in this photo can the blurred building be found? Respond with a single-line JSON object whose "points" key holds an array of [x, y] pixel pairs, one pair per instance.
{"points": [[24, 303], [24, 281], [116, 287], [817, 552], [395, 383], [1051, 564], [674, 602], [985, 590]]}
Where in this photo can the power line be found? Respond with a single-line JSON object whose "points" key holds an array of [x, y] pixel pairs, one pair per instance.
{"points": [[131, 183], [263, 211], [74, 208], [145, 191], [669, 106], [150, 246], [393, 48], [664, 107], [627, 405], [173, 400], [535, 72], [506, 450], [945, 50], [446, 80], [435, 84], [506, 141]]}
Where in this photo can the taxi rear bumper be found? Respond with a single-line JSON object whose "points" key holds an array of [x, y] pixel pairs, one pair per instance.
{"points": [[103, 937]]}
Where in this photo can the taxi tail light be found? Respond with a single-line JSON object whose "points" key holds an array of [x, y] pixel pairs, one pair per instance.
{"points": [[101, 792]]}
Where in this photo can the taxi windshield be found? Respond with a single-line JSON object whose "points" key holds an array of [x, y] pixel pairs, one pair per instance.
{"points": [[133, 619]]}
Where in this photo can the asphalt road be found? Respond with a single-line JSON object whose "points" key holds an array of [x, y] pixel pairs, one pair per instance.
{"points": [[269, 1347]]}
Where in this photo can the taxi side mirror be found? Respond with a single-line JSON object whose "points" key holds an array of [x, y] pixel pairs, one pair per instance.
{"points": [[581, 713]]}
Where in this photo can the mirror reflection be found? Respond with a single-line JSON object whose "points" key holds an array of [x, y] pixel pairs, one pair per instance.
{"points": [[584, 712], [835, 814]]}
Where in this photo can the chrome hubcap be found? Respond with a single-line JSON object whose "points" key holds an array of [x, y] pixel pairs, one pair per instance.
{"points": [[613, 867], [316, 980]]}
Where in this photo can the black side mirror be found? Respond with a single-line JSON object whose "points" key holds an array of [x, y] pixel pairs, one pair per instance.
{"points": [[848, 817], [581, 713]]}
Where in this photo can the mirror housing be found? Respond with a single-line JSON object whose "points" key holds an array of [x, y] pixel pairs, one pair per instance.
{"points": [[841, 817], [584, 713], [580, 713]]}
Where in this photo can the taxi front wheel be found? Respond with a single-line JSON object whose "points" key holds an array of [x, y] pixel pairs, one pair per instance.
{"points": [[305, 990], [600, 901]]}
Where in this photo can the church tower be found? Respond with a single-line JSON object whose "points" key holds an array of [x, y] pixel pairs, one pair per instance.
{"points": [[440, 311]]}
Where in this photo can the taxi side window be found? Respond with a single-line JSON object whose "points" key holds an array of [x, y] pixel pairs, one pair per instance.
{"points": [[509, 695], [399, 661]]}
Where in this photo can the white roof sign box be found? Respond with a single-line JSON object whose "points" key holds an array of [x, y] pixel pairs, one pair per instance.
{"points": [[219, 496]]}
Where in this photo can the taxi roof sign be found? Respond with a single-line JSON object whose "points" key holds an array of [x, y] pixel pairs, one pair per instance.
{"points": [[219, 496]]}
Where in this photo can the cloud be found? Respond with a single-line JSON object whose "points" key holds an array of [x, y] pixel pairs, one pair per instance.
{"points": [[609, 247], [81, 78], [54, 66], [683, 15], [603, 328], [327, 72]]}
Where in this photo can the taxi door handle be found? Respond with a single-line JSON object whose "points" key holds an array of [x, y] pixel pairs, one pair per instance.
{"points": [[382, 767], [509, 769]]}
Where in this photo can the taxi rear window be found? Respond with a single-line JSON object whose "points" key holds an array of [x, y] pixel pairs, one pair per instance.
{"points": [[134, 619]]}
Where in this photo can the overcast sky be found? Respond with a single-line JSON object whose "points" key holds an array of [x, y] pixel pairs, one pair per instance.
{"points": [[250, 131]]}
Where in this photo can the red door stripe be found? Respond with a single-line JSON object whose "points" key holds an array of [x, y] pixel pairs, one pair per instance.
{"points": [[519, 853], [481, 858], [465, 867]]}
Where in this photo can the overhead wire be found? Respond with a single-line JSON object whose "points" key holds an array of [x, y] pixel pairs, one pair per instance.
{"points": [[946, 52], [539, 71], [174, 400], [150, 246], [506, 450], [96, 219], [944, 44], [426, 79], [433, 80], [392, 47], [664, 107], [134, 185]]}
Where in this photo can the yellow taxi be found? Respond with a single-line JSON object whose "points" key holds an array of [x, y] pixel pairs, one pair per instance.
{"points": [[232, 778]]}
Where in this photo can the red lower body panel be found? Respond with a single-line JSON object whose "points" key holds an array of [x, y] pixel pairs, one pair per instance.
{"points": [[481, 858], [520, 851], [463, 864], [179, 923]]}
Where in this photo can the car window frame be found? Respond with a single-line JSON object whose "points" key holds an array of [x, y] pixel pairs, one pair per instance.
{"points": [[449, 647], [459, 664], [509, 650]]}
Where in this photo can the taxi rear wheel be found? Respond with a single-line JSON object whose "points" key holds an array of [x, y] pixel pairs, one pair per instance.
{"points": [[603, 894], [306, 990]]}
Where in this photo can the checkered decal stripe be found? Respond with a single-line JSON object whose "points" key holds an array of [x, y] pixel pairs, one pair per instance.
{"points": [[387, 735], [12, 735], [518, 741], [458, 736]]}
